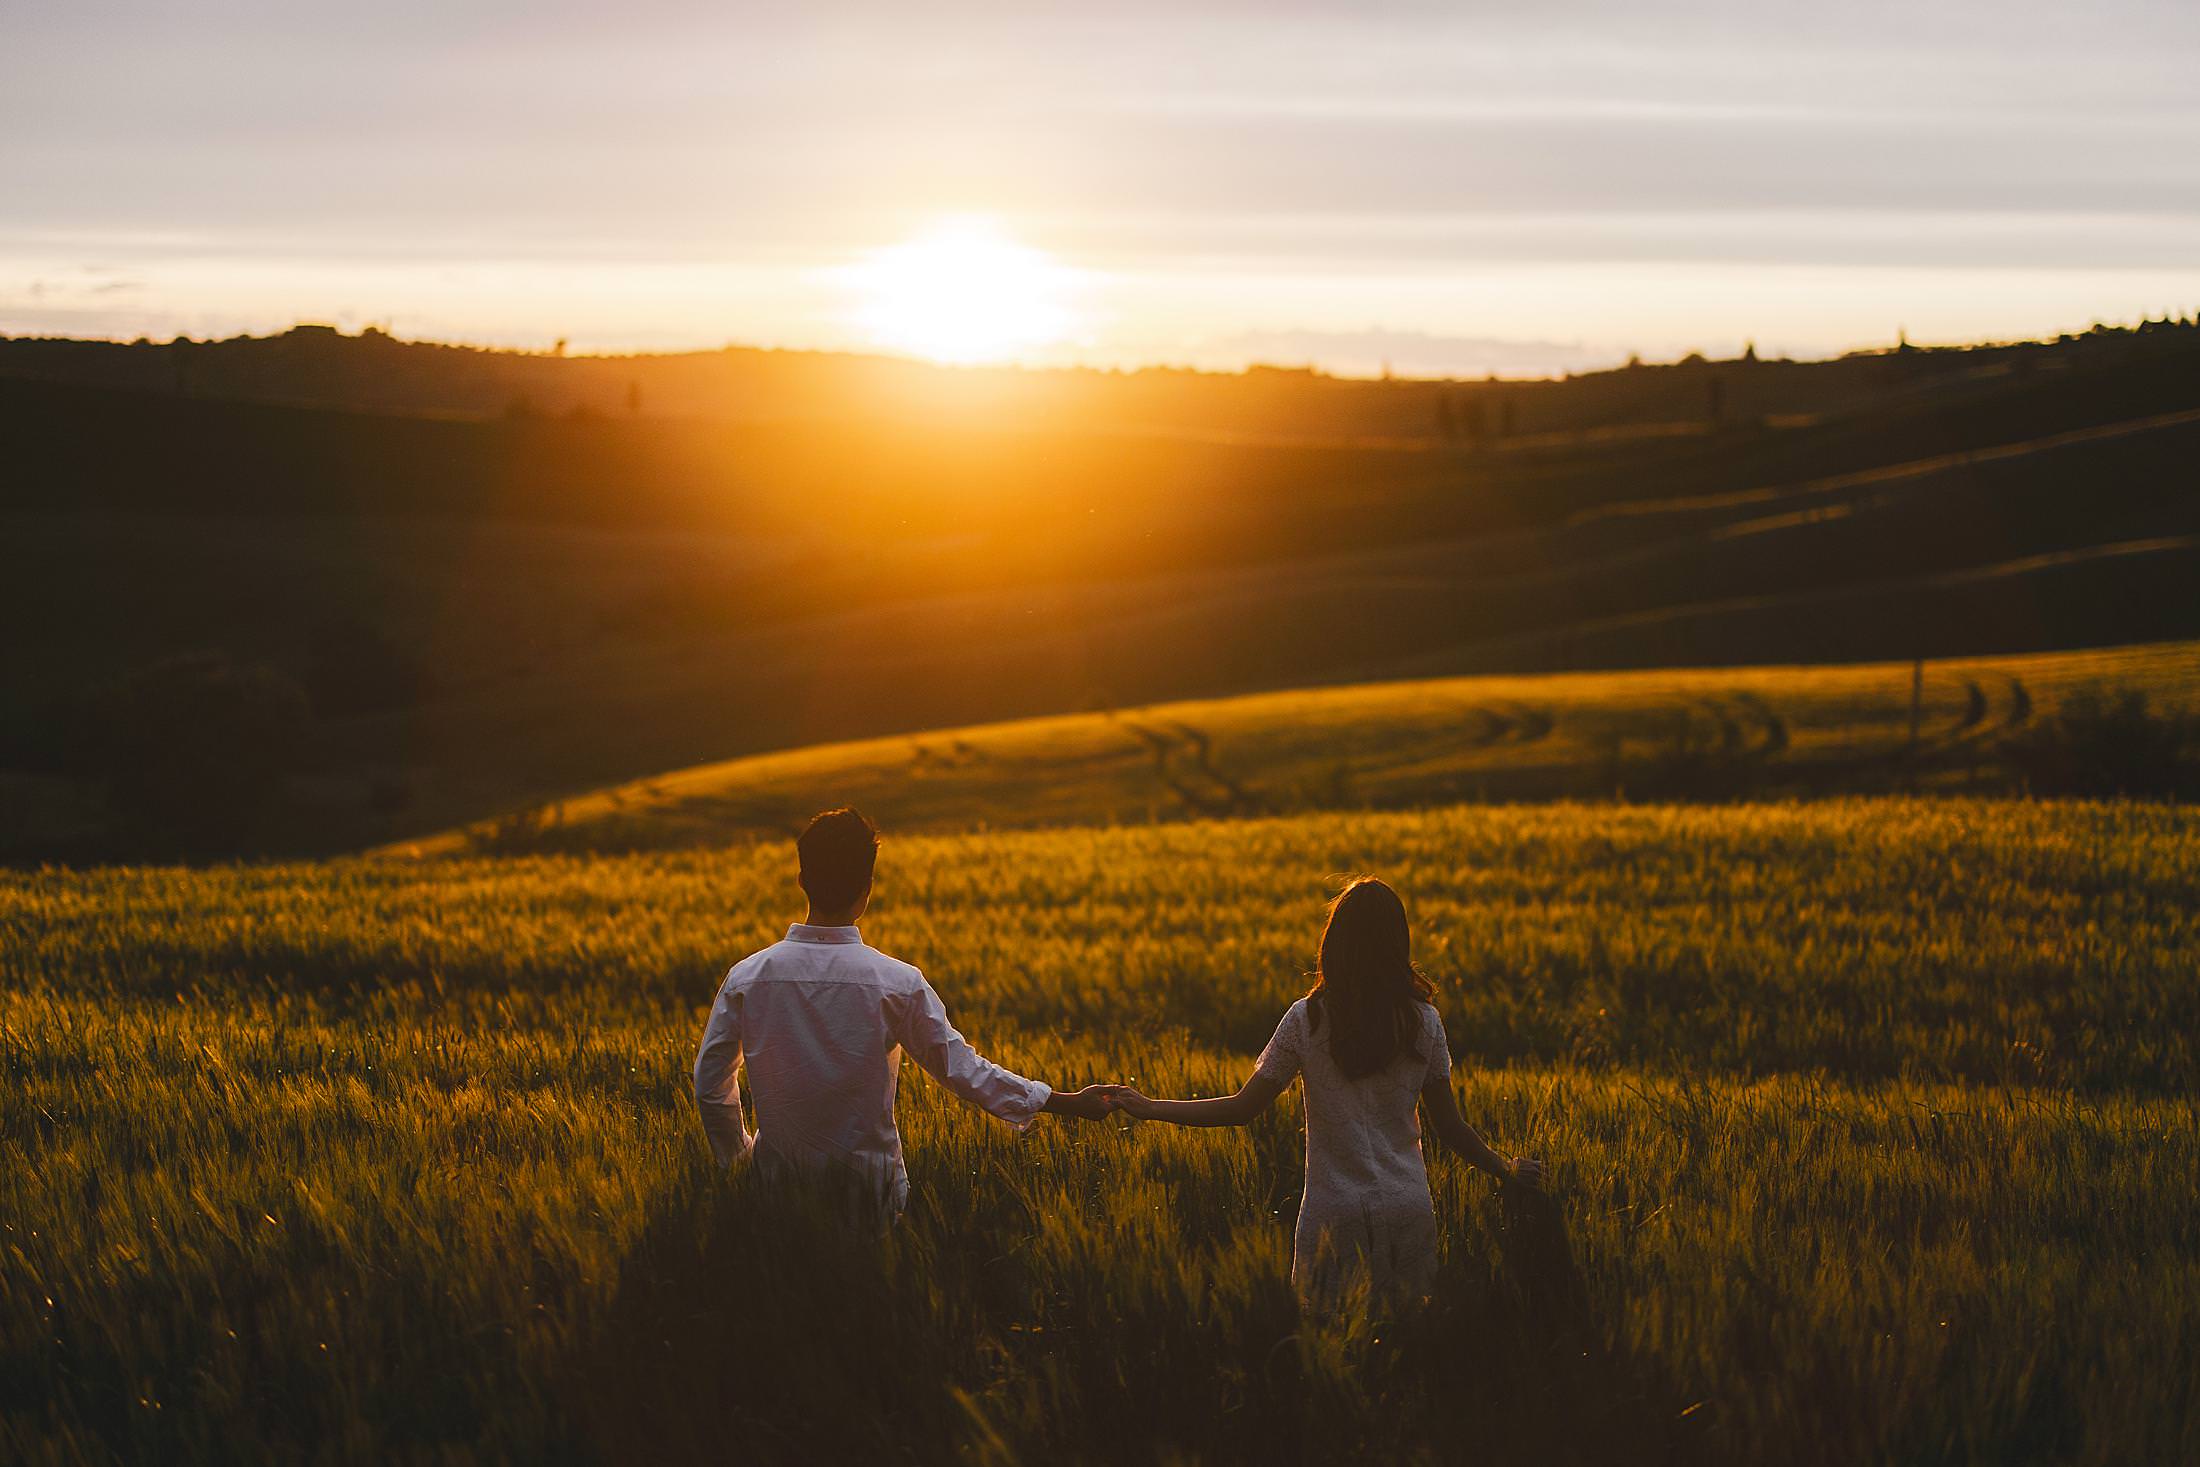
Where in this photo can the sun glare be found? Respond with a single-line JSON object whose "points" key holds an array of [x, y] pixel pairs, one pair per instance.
{"points": [[962, 292]]}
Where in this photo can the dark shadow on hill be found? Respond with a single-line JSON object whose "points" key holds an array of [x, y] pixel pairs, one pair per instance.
{"points": [[2110, 744]]}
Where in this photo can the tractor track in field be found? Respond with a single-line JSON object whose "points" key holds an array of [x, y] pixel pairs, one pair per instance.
{"points": [[1203, 758], [1748, 728], [1978, 722], [1732, 740], [1493, 726], [1974, 708], [1509, 723], [1772, 729], [1184, 762]]}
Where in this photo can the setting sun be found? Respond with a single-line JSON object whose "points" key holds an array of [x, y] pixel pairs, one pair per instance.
{"points": [[962, 292]]}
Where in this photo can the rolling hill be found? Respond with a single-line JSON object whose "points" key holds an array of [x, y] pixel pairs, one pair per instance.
{"points": [[489, 615], [1662, 734]]}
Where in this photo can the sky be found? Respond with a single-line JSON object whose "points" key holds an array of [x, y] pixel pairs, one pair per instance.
{"points": [[1436, 188]]}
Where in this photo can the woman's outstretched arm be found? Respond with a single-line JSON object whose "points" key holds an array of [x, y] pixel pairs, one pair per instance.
{"points": [[1253, 1097], [1444, 1118]]}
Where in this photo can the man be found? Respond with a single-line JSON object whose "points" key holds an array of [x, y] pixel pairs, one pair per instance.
{"points": [[822, 1019]]}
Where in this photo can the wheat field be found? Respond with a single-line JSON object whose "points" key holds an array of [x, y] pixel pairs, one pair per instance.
{"points": [[1871, 1125]]}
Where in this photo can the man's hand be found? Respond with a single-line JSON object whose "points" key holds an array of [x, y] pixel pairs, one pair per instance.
{"points": [[1526, 1171], [1088, 1104]]}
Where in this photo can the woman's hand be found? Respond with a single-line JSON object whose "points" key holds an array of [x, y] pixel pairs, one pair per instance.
{"points": [[1526, 1171], [1123, 1098]]}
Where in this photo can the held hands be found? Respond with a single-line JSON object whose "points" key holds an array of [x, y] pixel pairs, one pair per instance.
{"points": [[1089, 1104], [1123, 1098], [1097, 1102], [1525, 1171]]}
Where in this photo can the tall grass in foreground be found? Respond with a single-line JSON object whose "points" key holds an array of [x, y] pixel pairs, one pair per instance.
{"points": [[339, 1162], [1976, 940]]}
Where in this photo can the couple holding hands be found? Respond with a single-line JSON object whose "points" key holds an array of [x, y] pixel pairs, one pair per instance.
{"points": [[820, 1020]]}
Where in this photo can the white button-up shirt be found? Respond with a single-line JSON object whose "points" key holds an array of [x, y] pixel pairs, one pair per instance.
{"points": [[822, 1019]]}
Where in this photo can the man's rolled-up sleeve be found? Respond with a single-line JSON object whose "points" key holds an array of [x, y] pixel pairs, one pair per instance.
{"points": [[923, 1030], [718, 1082]]}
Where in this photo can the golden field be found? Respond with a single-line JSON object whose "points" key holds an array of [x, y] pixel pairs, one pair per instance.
{"points": [[1870, 1120]]}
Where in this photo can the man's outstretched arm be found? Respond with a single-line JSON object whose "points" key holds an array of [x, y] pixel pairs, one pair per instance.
{"points": [[923, 1030], [718, 1083]]}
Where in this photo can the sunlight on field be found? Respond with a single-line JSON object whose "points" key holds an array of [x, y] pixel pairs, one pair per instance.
{"points": [[1892, 1097], [1677, 734]]}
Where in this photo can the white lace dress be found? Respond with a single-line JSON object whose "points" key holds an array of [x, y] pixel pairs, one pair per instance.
{"points": [[1365, 1222]]}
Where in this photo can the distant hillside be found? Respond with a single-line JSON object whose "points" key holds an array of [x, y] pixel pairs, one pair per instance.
{"points": [[75, 449], [1665, 734], [479, 615], [372, 371]]}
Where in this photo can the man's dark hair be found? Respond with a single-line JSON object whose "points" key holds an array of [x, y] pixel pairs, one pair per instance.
{"points": [[837, 852]]}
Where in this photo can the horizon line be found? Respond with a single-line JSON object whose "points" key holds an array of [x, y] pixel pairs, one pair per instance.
{"points": [[556, 351]]}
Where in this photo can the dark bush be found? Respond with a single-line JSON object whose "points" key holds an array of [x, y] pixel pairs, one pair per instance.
{"points": [[2105, 743]]}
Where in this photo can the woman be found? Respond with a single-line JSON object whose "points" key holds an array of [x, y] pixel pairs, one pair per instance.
{"points": [[1369, 1044]]}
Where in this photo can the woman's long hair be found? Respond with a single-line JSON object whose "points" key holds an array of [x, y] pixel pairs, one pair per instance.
{"points": [[1366, 989]]}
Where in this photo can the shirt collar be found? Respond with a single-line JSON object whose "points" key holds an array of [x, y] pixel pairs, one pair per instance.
{"points": [[803, 932]]}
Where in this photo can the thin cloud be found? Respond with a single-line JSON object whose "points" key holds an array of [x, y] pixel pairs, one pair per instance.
{"points": [[1405, 353]]}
